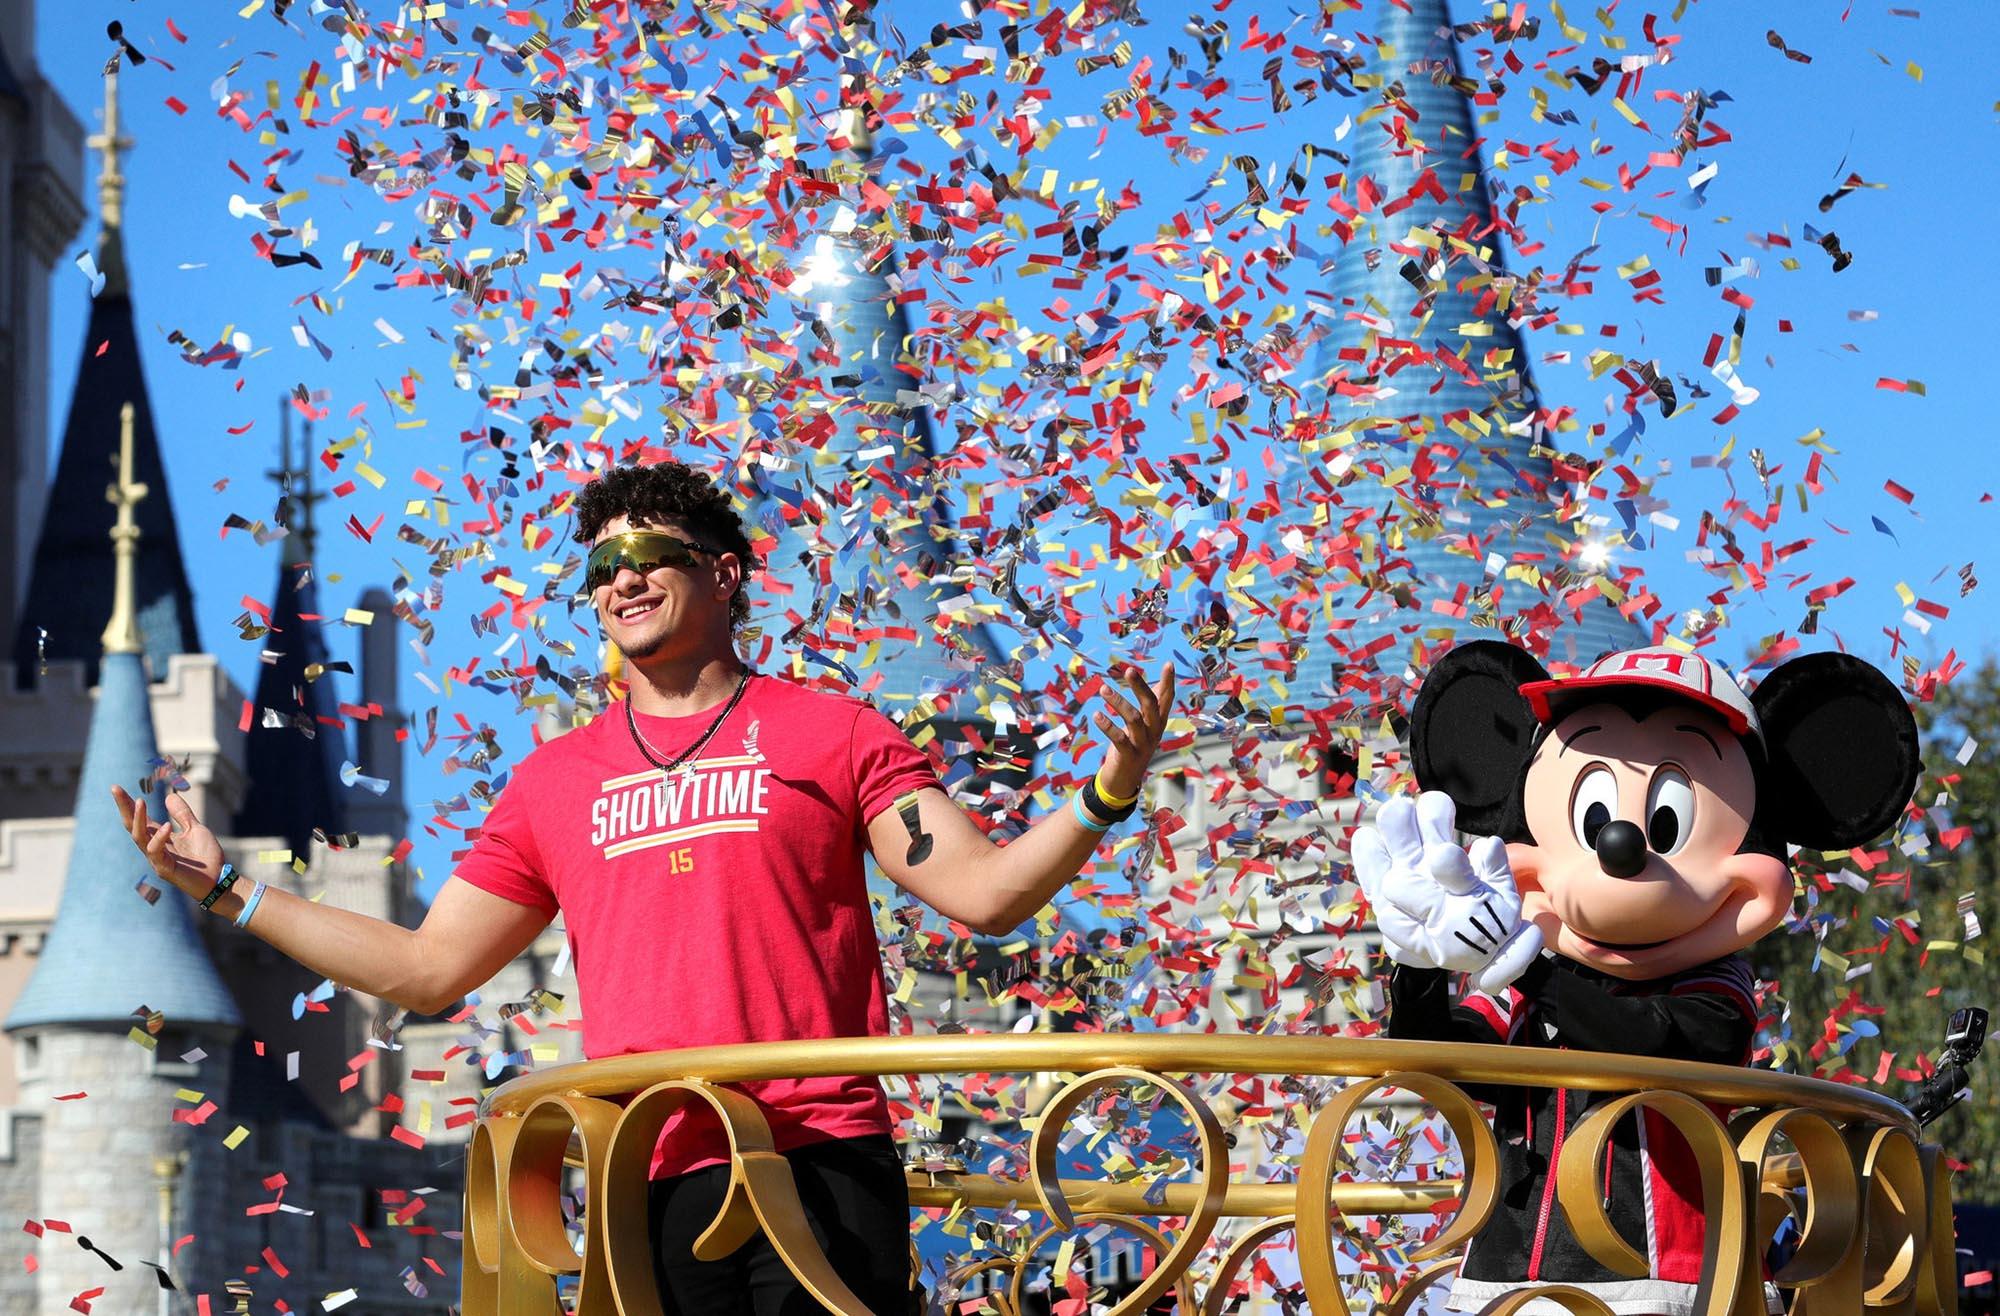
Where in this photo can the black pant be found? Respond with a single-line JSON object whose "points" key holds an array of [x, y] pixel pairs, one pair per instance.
{"points": [[858, 1205]]}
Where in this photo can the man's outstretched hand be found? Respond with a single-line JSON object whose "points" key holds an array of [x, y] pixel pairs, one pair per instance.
{"points": [[184, 852], [1135, 737]]}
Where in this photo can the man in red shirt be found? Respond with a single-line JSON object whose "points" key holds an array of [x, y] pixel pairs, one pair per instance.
{"points": [[703, 840]]}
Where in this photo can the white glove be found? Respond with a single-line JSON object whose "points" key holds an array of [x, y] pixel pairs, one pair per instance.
{"points": [[1438, 905]]}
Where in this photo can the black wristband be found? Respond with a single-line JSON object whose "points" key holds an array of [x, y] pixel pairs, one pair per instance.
{"points": [[223, 882], [1101, 811]]}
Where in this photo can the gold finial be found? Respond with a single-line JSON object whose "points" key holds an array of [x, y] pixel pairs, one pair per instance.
{"points": [[121, 634], [110, 188]]}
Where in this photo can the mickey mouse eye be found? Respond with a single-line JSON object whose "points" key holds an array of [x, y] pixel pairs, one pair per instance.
{"points": [[1669, 811], [1594, 805]]}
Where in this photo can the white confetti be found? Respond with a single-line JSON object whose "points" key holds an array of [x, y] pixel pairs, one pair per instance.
{"points": [[351, 775]]}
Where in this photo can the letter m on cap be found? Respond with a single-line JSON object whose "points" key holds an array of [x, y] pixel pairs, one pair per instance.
{"points": [[1681, 669]]}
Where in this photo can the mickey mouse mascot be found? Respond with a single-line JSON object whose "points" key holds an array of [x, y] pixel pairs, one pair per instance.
{"points": [[1632, 826]]}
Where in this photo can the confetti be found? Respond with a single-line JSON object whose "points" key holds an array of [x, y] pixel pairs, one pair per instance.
{"points": [[87, 263], [1030, 350]]}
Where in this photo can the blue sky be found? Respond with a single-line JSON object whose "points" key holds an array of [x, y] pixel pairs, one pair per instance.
{"points": [[1915, 303]]}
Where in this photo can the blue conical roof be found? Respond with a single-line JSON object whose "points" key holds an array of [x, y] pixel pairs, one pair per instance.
{"points": [[863, 443], [109, 951], [1426, 370]]}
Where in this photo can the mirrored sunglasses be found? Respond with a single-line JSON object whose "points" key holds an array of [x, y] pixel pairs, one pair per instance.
{"points": [[641, 550]]}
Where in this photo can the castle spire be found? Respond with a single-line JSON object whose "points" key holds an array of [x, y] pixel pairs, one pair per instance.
{"points": [[73, 573], [297, 743], [121, 633], [111, 190], [294, 479]]}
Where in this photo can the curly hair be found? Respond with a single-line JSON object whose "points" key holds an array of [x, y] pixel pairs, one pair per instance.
{"points": [[669, 491]]}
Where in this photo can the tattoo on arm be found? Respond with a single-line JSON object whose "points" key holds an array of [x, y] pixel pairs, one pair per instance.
{"points": [[913, 823]]}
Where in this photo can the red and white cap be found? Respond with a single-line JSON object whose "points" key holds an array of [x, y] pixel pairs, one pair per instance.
{"points": [[1691, 676]]}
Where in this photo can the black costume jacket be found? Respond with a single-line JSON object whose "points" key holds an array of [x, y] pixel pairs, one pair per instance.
{"points": [[1707, 1013]]}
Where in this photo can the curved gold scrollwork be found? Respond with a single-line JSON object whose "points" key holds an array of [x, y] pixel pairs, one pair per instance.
{"points": [[1872, 1205], [1314, 1208], [534, 1193], [761, 1192], [501, 1280], [1729, 1274], [1898, 1228], [1825, 1268], [1240, 1251], [1044, 1146], [479, 1262], [1002, 1302], [1416, 1286], [1184, 1290], [1937, 1286]]}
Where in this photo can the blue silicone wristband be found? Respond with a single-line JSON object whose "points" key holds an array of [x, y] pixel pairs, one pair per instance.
{"points": [[250, 906], [1089, 823]]}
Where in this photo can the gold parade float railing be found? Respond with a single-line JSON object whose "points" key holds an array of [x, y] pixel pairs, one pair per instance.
{"points": [[1870, 1200]]}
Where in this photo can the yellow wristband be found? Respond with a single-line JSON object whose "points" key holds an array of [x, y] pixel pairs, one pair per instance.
{"points": [[1113, 801]]}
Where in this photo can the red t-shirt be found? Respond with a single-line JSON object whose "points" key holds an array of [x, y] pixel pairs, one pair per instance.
{"points": [[727, 906]]}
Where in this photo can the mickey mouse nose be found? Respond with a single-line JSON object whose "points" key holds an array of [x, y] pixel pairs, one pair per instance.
{"points": [[1621, 849]]}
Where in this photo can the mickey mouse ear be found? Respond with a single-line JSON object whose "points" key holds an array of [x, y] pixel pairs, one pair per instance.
{"points": [[1843, 751], [1470, 732]]}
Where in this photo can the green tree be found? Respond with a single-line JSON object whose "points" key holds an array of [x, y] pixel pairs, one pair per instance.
{"points": [[1906, 930]]}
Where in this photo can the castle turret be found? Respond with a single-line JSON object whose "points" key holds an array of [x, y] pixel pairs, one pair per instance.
{"points": [[124, 1010], [1435, 469], [861, 522], [1427, 510]]}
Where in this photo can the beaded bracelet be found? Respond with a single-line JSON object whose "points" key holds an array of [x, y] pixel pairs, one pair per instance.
{"points": [[250, 906], [223, 881]]}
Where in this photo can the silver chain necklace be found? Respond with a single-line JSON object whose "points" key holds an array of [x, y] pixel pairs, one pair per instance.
{"points": [[652, 755]]}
